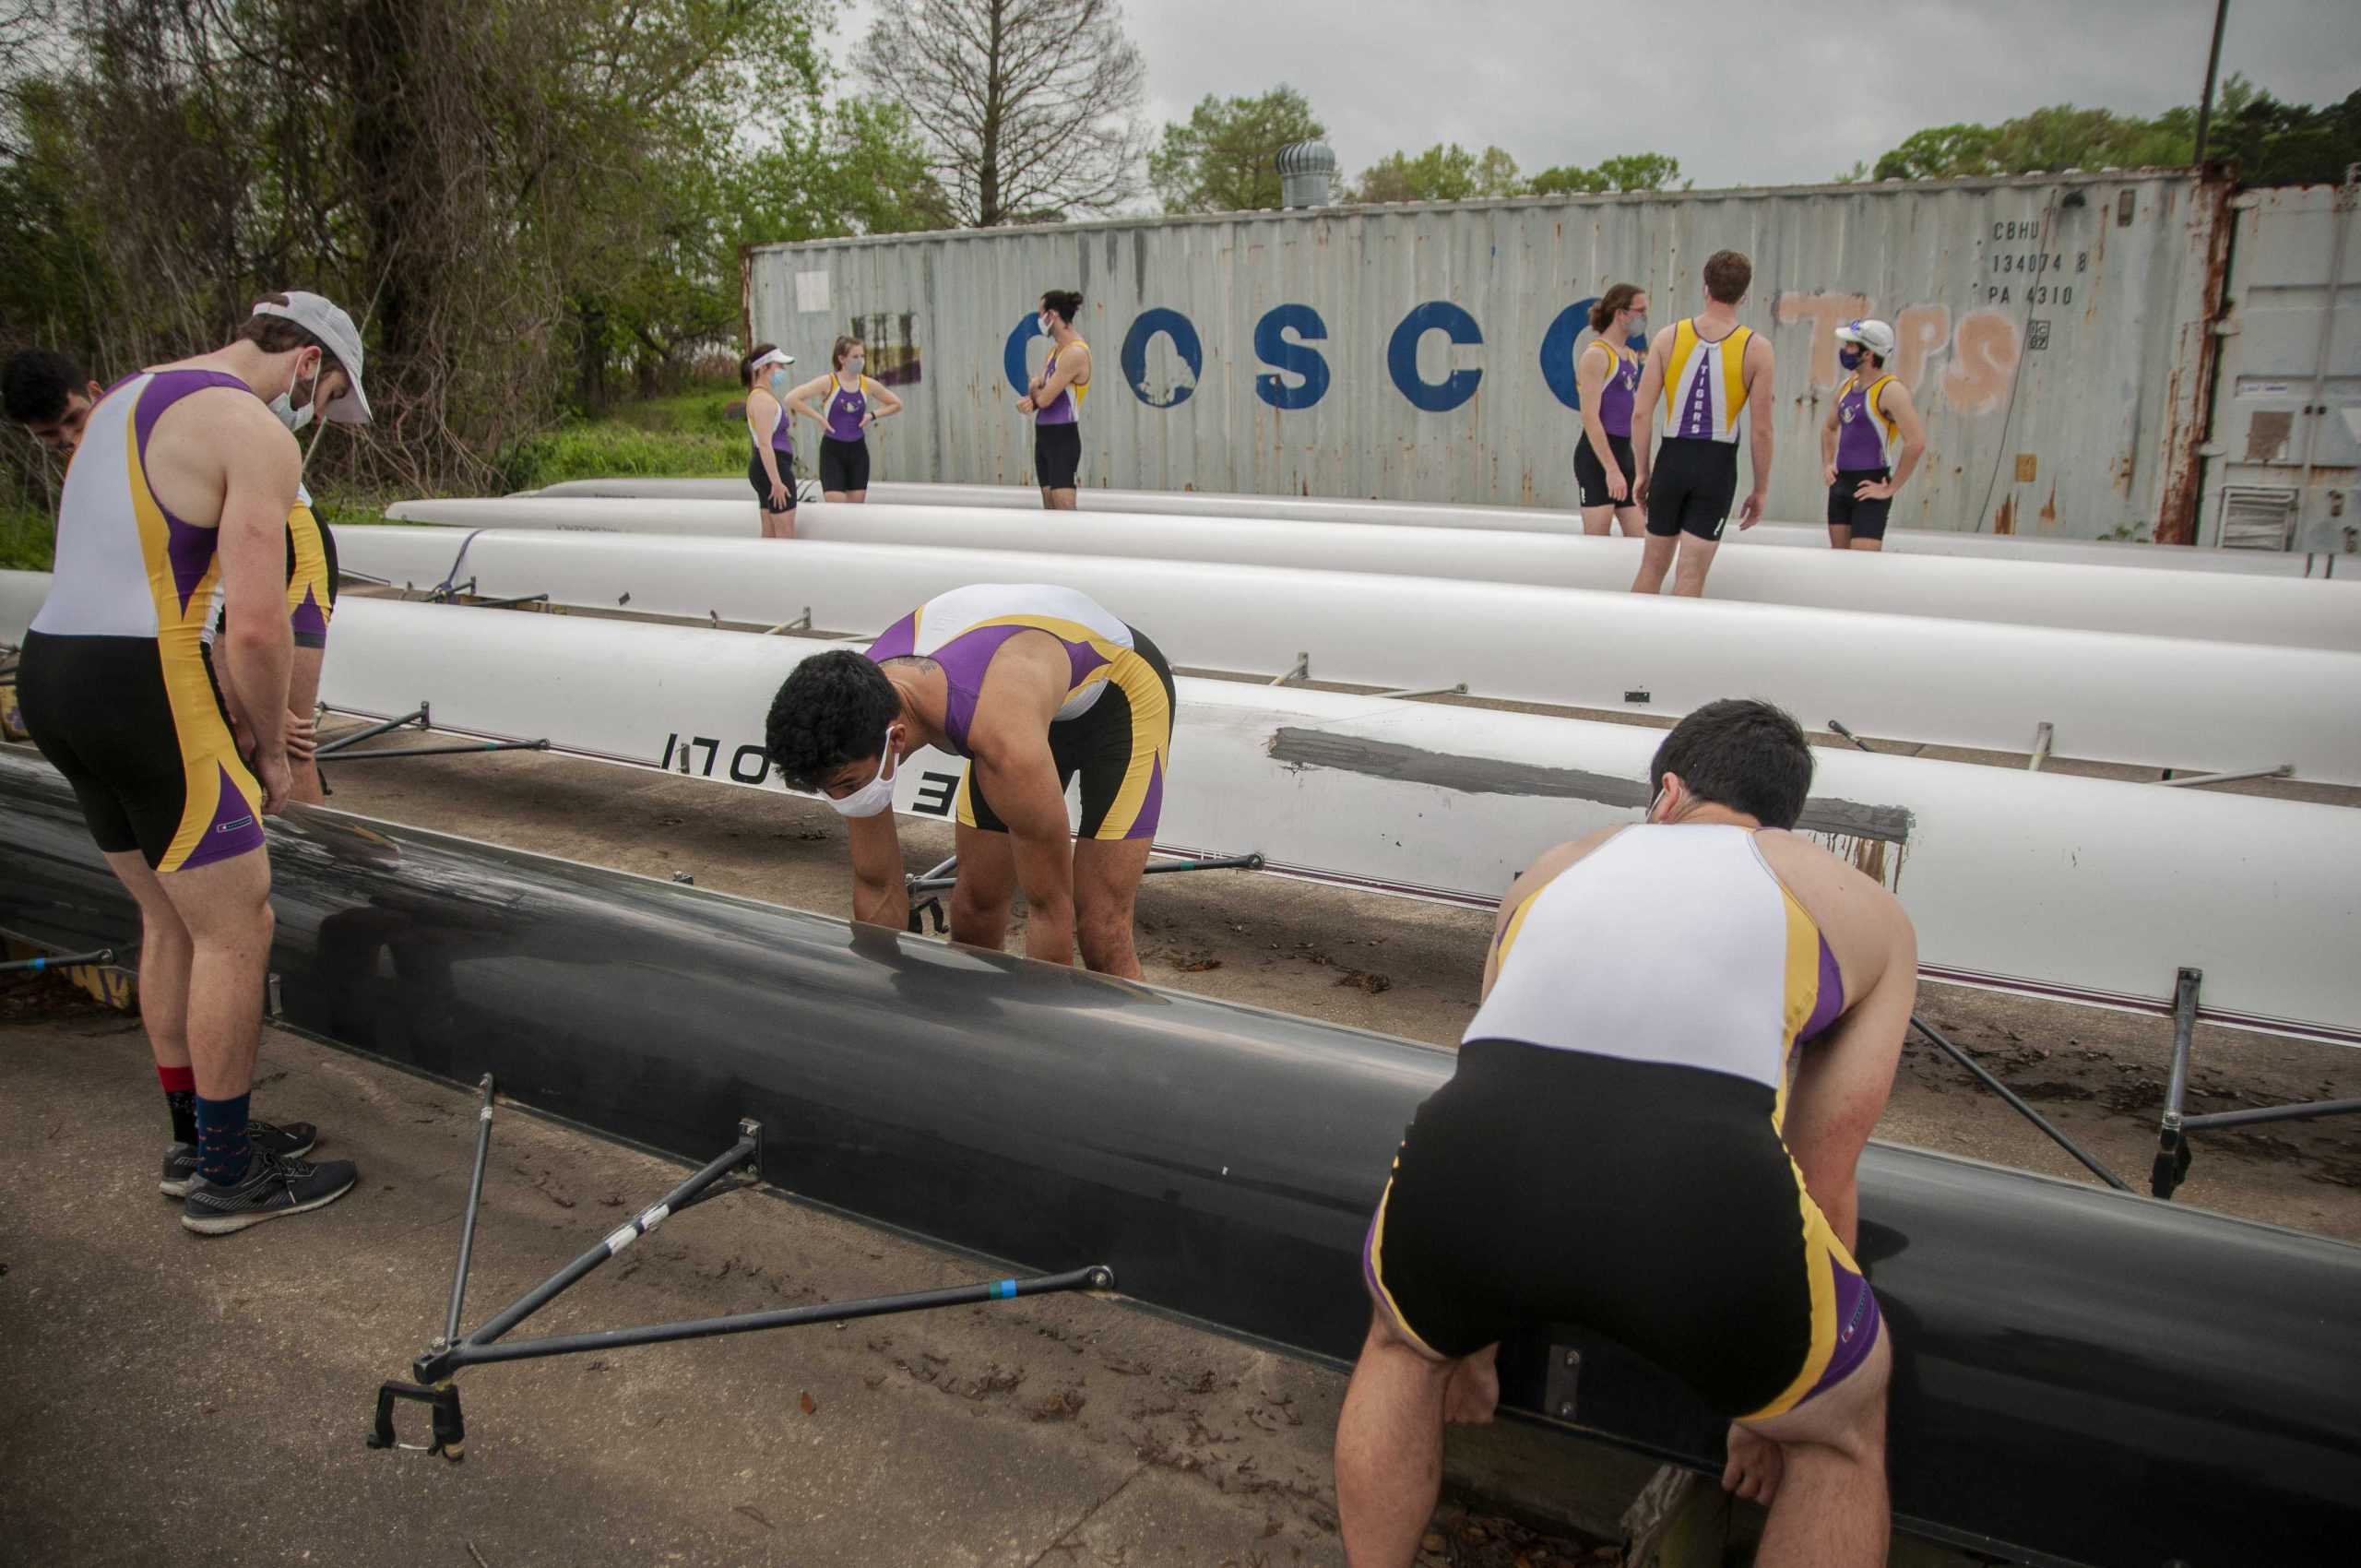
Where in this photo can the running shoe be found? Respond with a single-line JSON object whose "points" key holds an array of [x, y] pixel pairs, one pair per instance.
{"points": [[273, 1185]]}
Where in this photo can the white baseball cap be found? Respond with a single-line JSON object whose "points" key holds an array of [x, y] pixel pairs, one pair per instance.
{"points": [[324, 319], [1874, 336], [776, 356]]}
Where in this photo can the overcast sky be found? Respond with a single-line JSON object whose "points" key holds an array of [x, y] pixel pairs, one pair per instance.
{"points": [[1742, 93]]}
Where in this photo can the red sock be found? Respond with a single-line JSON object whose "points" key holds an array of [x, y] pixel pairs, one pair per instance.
{"points": [[179, 1101]]}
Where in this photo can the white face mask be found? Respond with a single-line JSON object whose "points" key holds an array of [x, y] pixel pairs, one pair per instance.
{"points": [[1048, 324], [283, 406], [875, 796], [1639, 328], [1652, 819]]}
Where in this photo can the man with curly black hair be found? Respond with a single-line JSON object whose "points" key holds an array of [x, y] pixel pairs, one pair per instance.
{"points": [[1033, 685]]}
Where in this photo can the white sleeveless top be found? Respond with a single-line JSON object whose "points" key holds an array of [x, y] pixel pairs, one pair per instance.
{"points": [[1673, 944]]}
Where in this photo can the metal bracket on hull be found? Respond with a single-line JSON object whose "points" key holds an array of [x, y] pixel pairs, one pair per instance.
{"points": [[434, 1370], [417, 715], [2285, 770], [341, 748], [2173, 1150]]}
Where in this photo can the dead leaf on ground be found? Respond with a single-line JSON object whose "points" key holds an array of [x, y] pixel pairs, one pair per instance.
{"points": [[810, 1407]]}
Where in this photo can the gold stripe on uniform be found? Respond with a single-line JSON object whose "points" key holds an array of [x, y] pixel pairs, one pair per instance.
{"points": [[208, 753]]}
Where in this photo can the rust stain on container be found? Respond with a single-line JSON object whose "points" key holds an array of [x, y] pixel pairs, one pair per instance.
{"points": [[2005, 519], [2048, 517]]}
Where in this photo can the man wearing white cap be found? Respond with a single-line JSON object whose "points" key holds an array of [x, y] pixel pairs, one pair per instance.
{"points": [[185, 477], [1871, 423]]}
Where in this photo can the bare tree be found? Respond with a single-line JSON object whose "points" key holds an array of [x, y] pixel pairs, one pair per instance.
{"points": [[1028, 106]]}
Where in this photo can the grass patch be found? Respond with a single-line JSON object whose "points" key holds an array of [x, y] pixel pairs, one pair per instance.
{"points": [[28, 538], [699, 433]]}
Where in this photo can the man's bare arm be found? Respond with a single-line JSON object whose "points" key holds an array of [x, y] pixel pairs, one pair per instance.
{"points": [[1905, 411], [1021, 780], [261, 472], [1590, 380], [1842, 1083], [880, 896], [1759, 371]]}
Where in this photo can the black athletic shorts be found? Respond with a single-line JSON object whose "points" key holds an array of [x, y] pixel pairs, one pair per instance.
{"points": [[762, 482], [844, 465], [1653, 1204], [1590, 474], [137, 728], [1690, 488], [1057, 455], [1866, 518], [1123, 748]]}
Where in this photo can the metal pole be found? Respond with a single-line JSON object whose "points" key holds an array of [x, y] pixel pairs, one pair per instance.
{"points": [[61, 960], [2027, 1111], [1458, 691], [512, 603], [373, 730], [631, 1230], [2212, 68], [467, 1227], [446, 750], [474, 1353], [2042, 734], [2285, 770], [931, 883], [1838, 728], [2172, 1146], [2303, 1113]]}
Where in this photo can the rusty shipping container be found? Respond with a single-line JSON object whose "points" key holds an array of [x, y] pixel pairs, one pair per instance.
{"points": [[2057, 332]]}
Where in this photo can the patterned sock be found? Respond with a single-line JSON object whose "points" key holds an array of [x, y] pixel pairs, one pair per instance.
{"points": [[180, 1098], [222, 1151]]}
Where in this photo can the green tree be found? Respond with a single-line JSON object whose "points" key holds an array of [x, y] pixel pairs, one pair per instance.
{"points": [[1221, 159], [1940, 151], [524, 202], [1445, 171], [2273, 143], [2284, 144], [1630, 171]]}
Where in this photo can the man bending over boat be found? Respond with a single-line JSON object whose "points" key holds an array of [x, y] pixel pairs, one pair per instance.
{"points": [[1689, 1028], [1033, 685]]}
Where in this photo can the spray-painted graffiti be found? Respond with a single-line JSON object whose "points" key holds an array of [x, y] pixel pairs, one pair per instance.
{"points": [[1983, 345]]}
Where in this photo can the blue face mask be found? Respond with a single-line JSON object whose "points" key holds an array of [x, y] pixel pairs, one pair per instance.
{"points": [[779, 382], [1849, 357]]}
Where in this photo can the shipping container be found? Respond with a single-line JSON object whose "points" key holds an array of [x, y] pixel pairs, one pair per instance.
{"points": [[2286, 427], [2054, 330]]}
